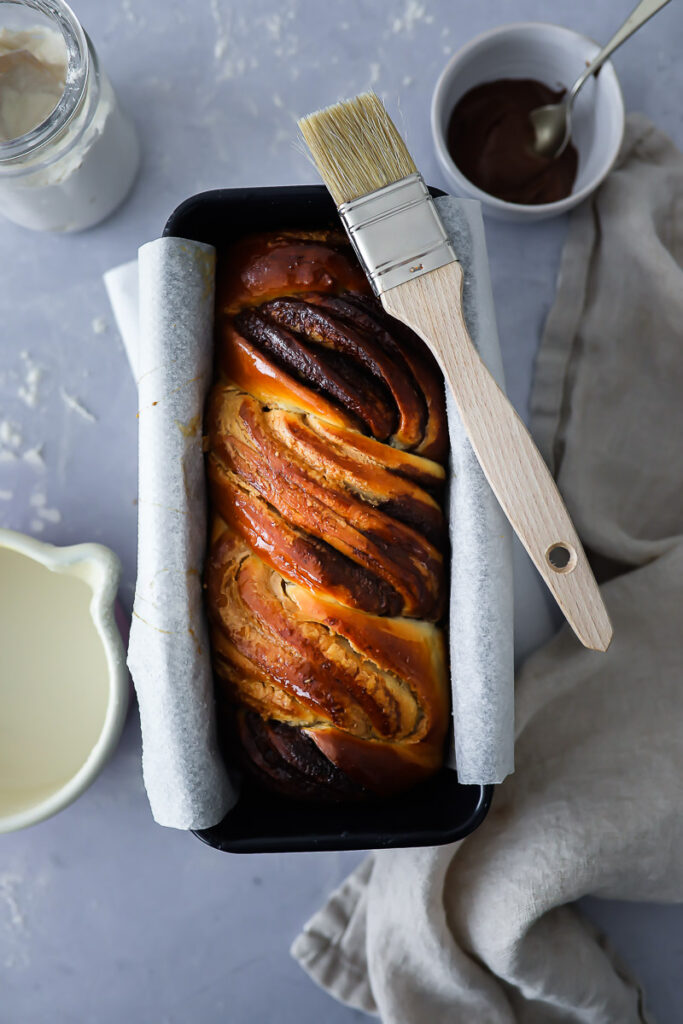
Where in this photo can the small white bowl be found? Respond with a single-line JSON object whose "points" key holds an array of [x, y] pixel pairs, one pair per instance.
{"points": [[553, 55], [64, 685]]}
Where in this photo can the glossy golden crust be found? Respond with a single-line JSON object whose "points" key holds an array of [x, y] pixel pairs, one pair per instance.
{"points": [[325, 576]]}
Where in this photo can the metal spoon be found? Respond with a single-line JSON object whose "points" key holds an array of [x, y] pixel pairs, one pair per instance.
{"points": [[552, 124]]}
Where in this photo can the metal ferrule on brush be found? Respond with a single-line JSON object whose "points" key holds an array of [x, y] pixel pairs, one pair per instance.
{"points": [[397, 233]]}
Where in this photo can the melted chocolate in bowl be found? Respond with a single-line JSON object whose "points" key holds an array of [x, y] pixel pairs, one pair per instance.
{"points": [[490, 138]]}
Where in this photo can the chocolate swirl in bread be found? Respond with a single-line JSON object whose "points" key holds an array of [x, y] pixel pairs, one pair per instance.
{"points": [[325, 581]]}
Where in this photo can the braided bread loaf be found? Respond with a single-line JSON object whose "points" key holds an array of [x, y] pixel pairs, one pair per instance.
{"points": [[325, 576]]}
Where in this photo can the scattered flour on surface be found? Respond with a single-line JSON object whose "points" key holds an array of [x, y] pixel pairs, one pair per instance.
{"points": [[75, 404], [13, 920], [6, 495], [38, 501], [408, 80], [36, 526], [414, 13], [50, 515], [9, 884], [221, 44], [17, 891], [33, 374], [228, 48], [289, 44], [99, 325], [375, 71], [34, 457], [130, 15], [273, 24], [8, 456], [233, 36], [10, 434]]}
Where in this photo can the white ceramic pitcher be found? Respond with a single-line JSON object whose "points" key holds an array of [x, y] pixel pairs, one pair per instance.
{"points": [[64, 686]]}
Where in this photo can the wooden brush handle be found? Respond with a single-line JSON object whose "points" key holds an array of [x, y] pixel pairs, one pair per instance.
{"points": [[519, 477]]}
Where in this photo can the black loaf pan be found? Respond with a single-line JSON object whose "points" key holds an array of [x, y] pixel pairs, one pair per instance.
{"points": [[435, 812]]}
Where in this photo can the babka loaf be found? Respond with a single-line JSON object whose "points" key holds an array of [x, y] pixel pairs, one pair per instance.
{"points": [[325, 578]]}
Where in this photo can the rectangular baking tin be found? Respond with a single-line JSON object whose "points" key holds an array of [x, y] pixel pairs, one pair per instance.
{"points": [[435, 812]]}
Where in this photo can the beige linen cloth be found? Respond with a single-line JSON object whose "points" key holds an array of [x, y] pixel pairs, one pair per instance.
{"points": [[482, 931]]}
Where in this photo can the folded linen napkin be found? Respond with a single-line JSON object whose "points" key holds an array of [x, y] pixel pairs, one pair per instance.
{"points": [[482, 930]]}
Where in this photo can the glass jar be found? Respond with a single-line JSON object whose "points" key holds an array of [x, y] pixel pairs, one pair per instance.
{"points": [[77, 165]]}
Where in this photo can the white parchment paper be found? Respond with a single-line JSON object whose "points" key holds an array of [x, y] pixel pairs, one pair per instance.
{"points": [[169, 654], [481, 619]]}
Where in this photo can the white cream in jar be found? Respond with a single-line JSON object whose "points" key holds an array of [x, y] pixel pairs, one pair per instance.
{"points": [[32, 78], [75, 156]]}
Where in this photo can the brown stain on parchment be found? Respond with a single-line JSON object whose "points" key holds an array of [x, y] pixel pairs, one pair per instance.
{"points": [[196, 640], [190, 428], [167, 632]]}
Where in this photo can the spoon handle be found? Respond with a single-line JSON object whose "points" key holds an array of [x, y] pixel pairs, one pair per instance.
{"points": [[642, 13]]}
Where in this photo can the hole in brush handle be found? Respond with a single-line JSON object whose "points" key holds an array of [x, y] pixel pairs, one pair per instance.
{"points": [[561, 557]]}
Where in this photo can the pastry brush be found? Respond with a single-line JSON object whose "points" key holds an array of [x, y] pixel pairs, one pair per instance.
{"points": [[403, 247]]}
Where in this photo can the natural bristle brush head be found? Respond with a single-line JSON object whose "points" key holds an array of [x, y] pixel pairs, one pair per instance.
{"points": [[356, 147]]}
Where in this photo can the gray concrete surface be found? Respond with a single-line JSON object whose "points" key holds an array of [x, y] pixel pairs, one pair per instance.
{"points": [[104, 916]]}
